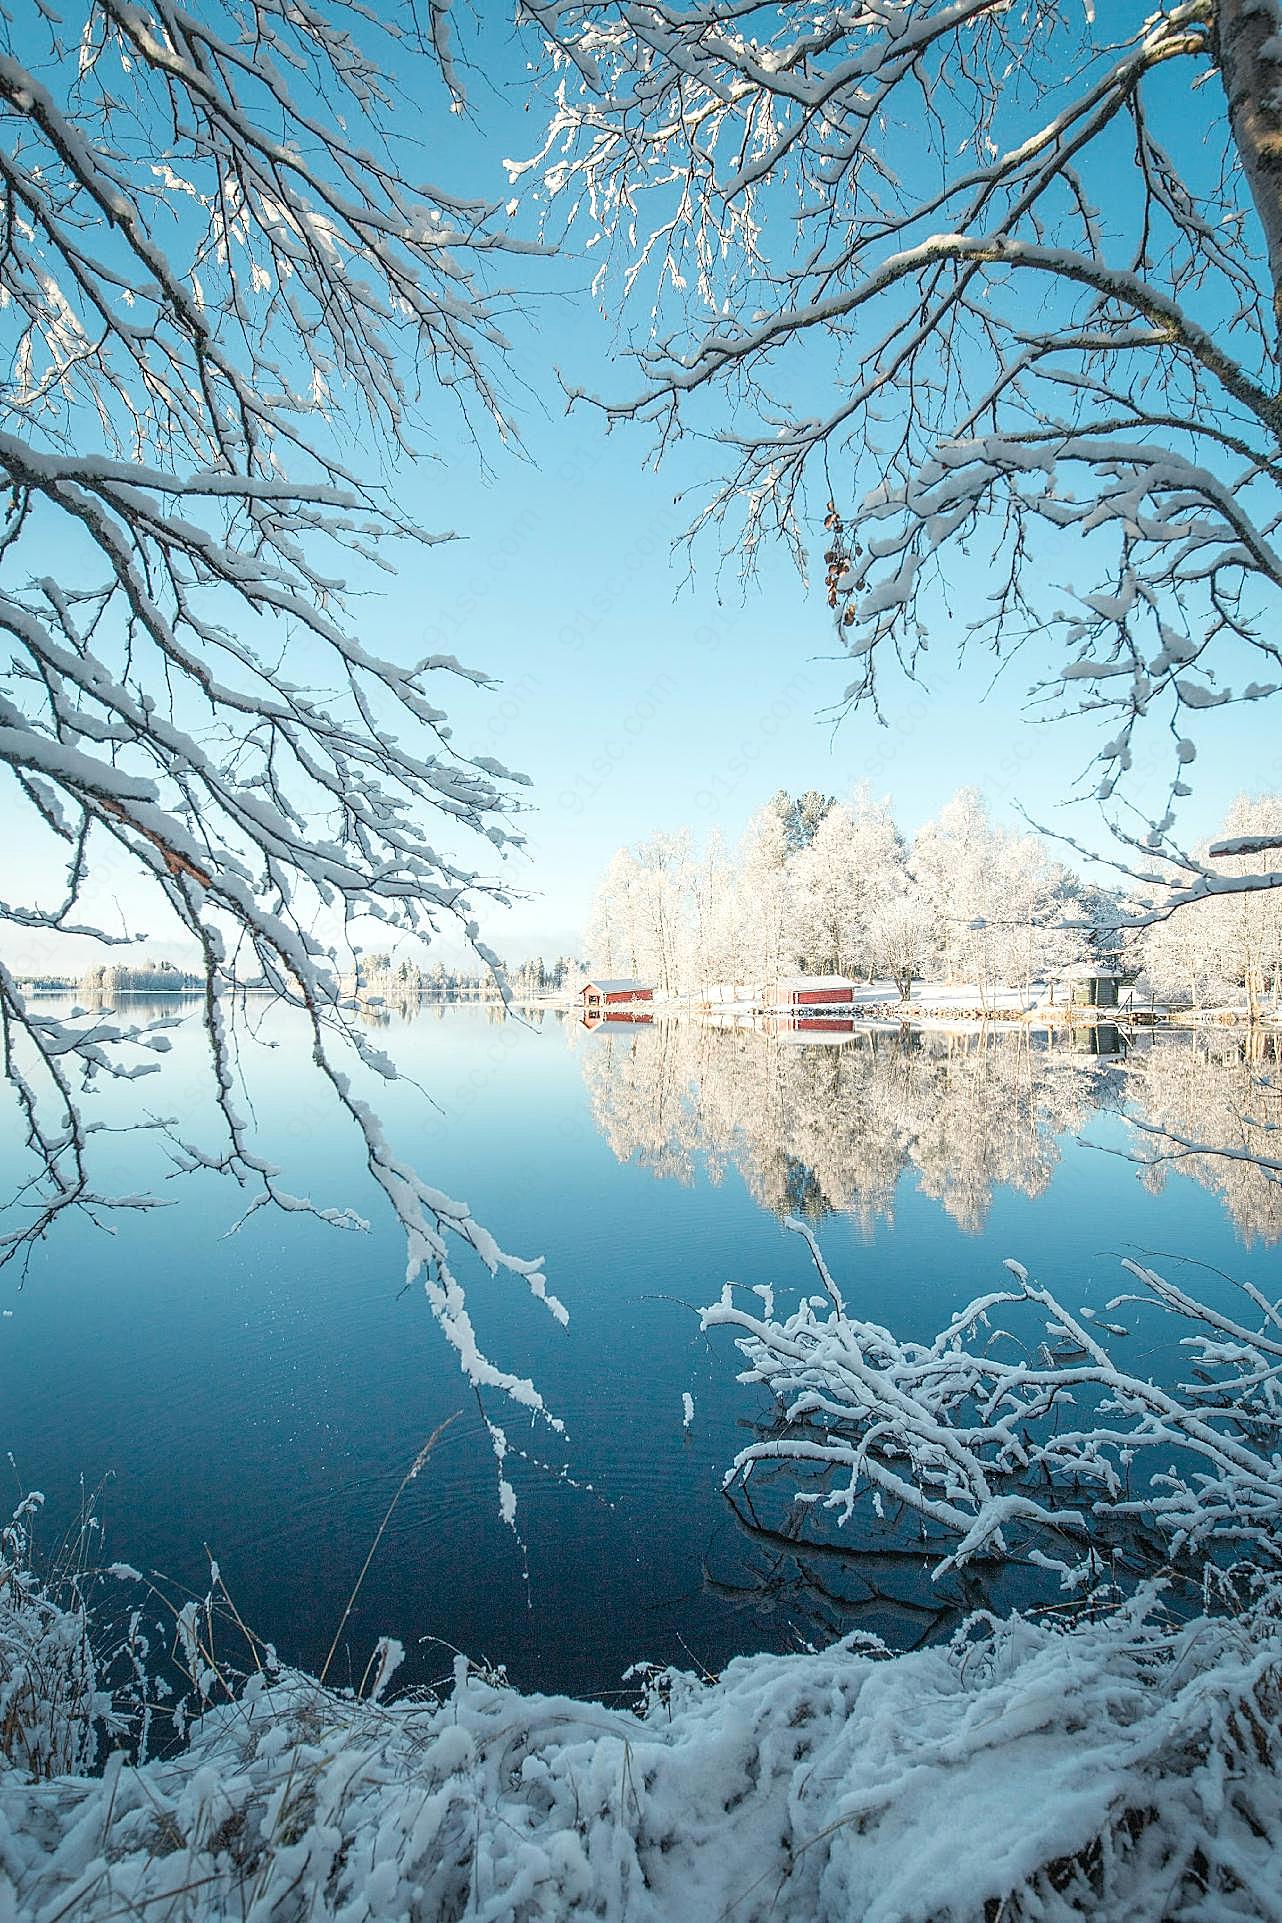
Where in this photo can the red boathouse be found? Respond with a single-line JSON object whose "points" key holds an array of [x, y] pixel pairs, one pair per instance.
{"points": [[617, 997], [804, 992]]}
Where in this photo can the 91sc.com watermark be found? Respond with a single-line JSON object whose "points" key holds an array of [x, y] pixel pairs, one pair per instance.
{"points": [[618, 745], [735, 770]]}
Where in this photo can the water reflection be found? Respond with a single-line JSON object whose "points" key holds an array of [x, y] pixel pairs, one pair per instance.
{"points": [[286, 1386], [832, 1123], [1219, 1090], [393, 1010], [831, 1120], [881, 1581], [827, 1118]]}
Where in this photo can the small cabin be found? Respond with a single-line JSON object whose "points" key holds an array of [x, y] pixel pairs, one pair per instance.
{"points": [[803, 992], [618, 997]]}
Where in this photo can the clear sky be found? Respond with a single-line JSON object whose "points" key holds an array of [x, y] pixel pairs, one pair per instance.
{"points": [[638, 697]]}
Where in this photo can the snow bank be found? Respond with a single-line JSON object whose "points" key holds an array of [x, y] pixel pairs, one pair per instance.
{"points": [[1119, 1769]]}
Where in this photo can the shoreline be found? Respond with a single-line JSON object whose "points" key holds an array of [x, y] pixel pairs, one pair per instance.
{"points": [[882, 1014]]}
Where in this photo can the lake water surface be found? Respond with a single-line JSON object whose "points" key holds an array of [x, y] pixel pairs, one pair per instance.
{"points": [[264, 1393]]}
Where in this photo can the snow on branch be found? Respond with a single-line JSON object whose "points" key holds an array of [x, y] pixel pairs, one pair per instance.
{"points": [[943, 279], [1017, 1430], [227, 297]]}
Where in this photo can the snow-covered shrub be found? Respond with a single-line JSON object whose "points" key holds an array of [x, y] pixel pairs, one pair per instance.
{"points": [[50, 1702], [1124, 1770], [1017, 1427]]}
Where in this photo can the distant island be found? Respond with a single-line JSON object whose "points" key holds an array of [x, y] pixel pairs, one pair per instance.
{"points": [[376, 977]]}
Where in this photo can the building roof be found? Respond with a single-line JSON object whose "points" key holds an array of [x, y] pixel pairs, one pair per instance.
{"points": [[621, 985], [811, 1037], [796, 982]]}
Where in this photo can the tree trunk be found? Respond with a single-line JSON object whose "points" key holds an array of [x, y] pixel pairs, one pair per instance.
{"points": [[1247, 39]]}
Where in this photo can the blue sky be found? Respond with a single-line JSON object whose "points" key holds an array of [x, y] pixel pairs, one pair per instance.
{"points": [[640, 697]]}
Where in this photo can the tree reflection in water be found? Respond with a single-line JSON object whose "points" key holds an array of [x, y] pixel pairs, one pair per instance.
{"points": [[1209, 1106], [833, 1125], [879, 1582]]}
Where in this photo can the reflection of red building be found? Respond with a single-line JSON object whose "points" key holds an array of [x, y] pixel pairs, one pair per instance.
{"points": [[805, 1027], [614, 998], [620, 1018]]}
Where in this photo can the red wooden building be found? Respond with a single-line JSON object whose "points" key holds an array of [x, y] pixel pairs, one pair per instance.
{"points": [[814, 991], [618, 997]]}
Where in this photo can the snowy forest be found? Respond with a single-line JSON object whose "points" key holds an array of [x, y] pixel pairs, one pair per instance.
{"points": [[822, 886], [432, 441]]}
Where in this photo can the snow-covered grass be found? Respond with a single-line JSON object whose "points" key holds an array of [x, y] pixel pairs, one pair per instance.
{"points": [[49, 1697], [1123, 1768]]}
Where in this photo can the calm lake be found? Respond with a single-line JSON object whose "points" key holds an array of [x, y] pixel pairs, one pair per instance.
{"points": [[263, 1393]]}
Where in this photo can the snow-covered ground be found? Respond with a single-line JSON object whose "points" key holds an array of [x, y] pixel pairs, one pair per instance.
{"points": [[1124, 1769]]}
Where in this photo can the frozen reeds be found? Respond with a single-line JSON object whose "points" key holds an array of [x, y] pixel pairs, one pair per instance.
{"points": [[1126, 1768]]}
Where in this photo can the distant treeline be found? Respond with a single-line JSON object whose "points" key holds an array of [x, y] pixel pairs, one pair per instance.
{"points": [[378, 975], [147, 977], [386, 976], [817, 885]]}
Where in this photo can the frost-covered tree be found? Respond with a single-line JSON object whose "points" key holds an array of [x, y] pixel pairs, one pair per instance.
{"points": [[1251, 943], [803, 815], [900, 934], [766, 934], [1181, 967], [953, 277], [640, 918], [1225, 944], [950, 860], [972, 903], [994, 897], [853, 862], [610, 936], [229, 303], [711, 949]]}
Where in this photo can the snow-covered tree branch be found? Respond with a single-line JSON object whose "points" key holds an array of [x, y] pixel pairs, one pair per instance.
{"points": [[1018, 1428], [219, 277], [947, 278]]}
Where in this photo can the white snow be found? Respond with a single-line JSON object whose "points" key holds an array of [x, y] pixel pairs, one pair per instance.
{"points": [[1101, 1771]]}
